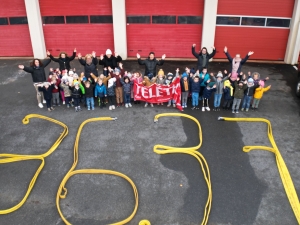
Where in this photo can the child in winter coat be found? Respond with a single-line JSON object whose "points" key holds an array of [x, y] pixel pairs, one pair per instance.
{"points": [[204, 76], [100, 92], [127, 89], [89, 93], [64, 78], [228, 94], [185, 88], [168, 82], [208, 90], [76, 94], [111, 93], [55, 91], [219, 81], [240, 87], [248, 94], [47, 88], [258, 94], [118, 74], [66, 92], [137, 77], [195, 89], [160, 79]]}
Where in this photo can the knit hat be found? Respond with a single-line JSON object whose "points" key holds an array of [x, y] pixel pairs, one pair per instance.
{"points": [[117, 70], [250, 80], [46, 84], [220, 75], [170, 75], [228, 84], [108, 52], [161, 72], [111, 82], [184, 74], [71, 72], [261, 83], [76, 82]]}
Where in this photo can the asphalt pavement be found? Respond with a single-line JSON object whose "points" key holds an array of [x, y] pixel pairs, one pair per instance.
{"points": [[246, 187]]}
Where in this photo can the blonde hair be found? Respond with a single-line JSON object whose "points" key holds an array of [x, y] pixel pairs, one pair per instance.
{"points": [[88, 55]]}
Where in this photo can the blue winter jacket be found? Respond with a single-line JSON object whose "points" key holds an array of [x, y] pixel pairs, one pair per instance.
{"points": [[208, 91], [100, 91], [227, 95], [195, 86], [126, 86]]}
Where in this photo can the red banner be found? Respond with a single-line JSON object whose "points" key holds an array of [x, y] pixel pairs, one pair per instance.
{"points": [[157, 93]]}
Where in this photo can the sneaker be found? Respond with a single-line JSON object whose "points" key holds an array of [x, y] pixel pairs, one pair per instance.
{"points": [[126, 105], [174, 105], [151, 105], [255, 109], [118, 105], [40, 105], [146, 104], [207, 108], [236, 111], [203, 109], [110, 107], [193, 108], [49, 109], [76, 110], [89, 109], [168, 105], [93, 108], [242, 109], [68, 105], [44, 101], [129, 104], [53, 105], [247, 110], [113, 107], [64, 102], [233, 111]]}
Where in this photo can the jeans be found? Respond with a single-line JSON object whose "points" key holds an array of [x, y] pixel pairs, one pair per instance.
{"points": [[246, 101], [55, 97], [127, 98], [217, 100], [195, 99], [171, 102], [90, 102], [236, 103], [255, 103]]}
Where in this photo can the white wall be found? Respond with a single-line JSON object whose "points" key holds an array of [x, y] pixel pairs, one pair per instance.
{"points": [[293, 45], [35, 28], [209, 24], [119, 26]]}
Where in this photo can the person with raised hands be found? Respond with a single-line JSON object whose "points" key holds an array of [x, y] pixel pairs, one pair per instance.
{"points": [[90, 63], [203, 56], [109, 60], [150, 64], [63, 59]]}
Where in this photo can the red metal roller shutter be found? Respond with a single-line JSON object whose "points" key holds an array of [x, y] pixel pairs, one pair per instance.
{"points": [[174, 40], [267, 43], [86, 37], [15, 39]]}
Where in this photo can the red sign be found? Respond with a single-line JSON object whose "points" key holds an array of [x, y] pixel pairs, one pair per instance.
{"points": [[157, 93]]}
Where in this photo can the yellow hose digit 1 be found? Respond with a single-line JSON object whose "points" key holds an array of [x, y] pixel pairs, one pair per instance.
{"points": [[283, 170]]}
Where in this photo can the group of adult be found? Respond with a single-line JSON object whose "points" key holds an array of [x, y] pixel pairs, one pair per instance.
{"points": [[90, 62]]}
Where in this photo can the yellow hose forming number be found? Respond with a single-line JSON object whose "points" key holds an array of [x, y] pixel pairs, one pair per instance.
{"points": [[62, 190], [283, 170], [163, 149], [10, 158]]}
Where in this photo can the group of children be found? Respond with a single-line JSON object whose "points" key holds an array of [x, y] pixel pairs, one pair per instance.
{"points": [[116, 89]]}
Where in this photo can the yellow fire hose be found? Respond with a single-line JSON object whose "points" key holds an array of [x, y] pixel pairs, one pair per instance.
{"points": [[10, 158], [62, 190], [163, 149], [283, 170]]}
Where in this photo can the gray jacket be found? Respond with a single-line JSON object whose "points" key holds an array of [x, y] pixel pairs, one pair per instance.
{"points": [[219, 84]]}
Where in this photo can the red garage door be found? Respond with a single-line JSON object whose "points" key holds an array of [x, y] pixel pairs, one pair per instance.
{"points": [[259, 26], [14, 31], [81, 24], [165, 27]]}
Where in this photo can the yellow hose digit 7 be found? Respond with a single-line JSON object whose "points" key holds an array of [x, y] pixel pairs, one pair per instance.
{"points": [[163, 149], [283, 170], [10, 158], [62, 190]]}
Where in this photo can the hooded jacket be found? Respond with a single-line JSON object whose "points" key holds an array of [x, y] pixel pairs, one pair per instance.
{"points": [[200, 58], [64, 63], [260, 91], [76, 93], [249, 91], [47, 92], [239, 91], [219, 84], [100, 90], [38, 73]]}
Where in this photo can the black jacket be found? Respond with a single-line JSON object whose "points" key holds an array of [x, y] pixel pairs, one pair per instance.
{"points": [[88, 69], [150, 65], [47, 92], [110, 62], [38, 73], [250, 90], [64, 64], [200, 58], [76, 93], [241, 63], [89, 92]]}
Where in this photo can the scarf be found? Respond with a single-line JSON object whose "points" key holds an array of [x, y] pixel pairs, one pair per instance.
{"points": [[235, 65], [204, 60], [186, 86]]}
